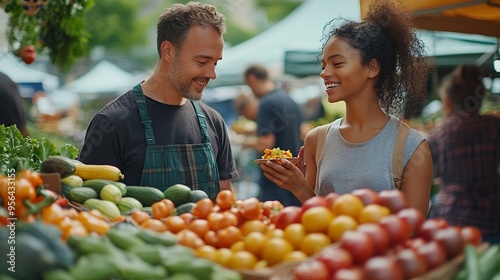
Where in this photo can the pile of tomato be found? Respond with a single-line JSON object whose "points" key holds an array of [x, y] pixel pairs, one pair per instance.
{"points": [[379, 237]]}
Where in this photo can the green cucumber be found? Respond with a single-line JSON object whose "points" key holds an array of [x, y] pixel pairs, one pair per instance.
{"points": [[197, 195], [129, 204], [73, 180], [184, 208], [98, 185], [58, 164], [124, 240], [82, 194], [107, 208], [155, 238], [178, 193], [146, 195]]}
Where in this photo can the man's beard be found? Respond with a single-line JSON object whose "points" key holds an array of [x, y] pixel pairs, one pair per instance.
{"points": [[181, 83]]}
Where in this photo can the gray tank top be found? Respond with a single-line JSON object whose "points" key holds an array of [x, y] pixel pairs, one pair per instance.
{"points": [[345, 166]]}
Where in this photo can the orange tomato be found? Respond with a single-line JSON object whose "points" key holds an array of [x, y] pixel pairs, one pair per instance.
{"points": [[215, 220], [175, 224], [199, 226], [253, 226], [189, 239], [203, 208], [210, 238], [339, 225], [225, 199], [155, 225], [187, 217], [228, 219], [228, 236], [348, 204], [140, 216], [250, 209], [160, 210], [316, 219]]}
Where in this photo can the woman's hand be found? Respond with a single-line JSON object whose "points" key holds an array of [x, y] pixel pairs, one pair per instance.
{"points": [[287, 176]]}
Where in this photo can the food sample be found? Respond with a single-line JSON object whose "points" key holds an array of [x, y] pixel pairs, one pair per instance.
{"points": [[276, 153]]}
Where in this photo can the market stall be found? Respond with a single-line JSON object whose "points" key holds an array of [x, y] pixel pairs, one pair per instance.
{"points": [[76, 221]]}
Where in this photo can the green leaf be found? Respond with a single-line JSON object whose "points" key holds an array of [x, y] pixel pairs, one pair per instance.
{"points": [[68, 151]]}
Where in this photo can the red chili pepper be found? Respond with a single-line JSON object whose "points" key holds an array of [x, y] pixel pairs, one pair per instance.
{"points": [[61, 201]]}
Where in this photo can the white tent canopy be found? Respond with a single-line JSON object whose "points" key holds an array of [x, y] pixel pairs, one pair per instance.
{"points": [[23, 75], [104, 79], [303, 26]]}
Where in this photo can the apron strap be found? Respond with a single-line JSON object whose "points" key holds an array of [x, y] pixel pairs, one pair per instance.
{"points": [[202, 122], [143, 113]]}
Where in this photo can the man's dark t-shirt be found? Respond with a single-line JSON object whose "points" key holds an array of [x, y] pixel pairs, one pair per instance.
{"points": [[115, 135]]}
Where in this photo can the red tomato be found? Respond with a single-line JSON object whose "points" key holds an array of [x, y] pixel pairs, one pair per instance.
{"points": [[359, 244], [335, 258], [378, 234], [398, 229], [414, 218], [271, 207], [367, 195], [394, 200], [289, 215], [451, 239], [414, 243], [471, 235], [383, 268], [331, 197], [434, 254], [430, 227], [314, 202], [311, 270], [353, 273], [413, 264]]}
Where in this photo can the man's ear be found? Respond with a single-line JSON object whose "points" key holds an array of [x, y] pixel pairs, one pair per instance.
{"points": [[167, 51], [373, 68]]}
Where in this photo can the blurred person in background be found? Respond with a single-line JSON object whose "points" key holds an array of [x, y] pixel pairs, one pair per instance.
{"points": [[11, 106], [160, 134], [279, 119], [465, 148]]}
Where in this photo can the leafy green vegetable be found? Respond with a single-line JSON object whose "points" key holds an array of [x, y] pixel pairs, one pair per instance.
{"points": [[27, 153]]}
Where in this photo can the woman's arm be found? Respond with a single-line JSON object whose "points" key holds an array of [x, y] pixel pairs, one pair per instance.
{"points": [[417, 178]]}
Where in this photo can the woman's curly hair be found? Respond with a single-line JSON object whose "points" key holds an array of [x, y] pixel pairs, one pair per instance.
{"points": [[387, 34]]}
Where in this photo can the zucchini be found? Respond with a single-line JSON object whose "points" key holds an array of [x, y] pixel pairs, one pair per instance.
{"points": [[58, 164], [66, 190], [184, 208], [128, 204], [107, 208], [111, 193], [124, 240], [98, 171], [98, 184], [146, 195], [82, 194]]}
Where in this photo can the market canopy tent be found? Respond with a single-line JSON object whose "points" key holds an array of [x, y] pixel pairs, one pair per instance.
{"points": [[302, 27], [105, 79], [463, 16], [29, 80]]}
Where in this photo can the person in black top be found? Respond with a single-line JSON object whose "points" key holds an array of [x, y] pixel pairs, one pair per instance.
{"points": [[11, 108], [278, 126]]}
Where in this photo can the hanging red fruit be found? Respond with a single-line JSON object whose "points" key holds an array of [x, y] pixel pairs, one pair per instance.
{"points": [[27, 54]]}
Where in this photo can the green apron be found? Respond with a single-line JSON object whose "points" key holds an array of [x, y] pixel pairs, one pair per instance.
{"points": [[193, 165]]}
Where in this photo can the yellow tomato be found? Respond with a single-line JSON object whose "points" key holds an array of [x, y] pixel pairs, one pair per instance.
{"points": [[295, 256], [294, 233], [339, 225], [316, 219], [373, 213], [314, 242], [223, 255], [254, 243], [275, 249], [242, 260], [206, 252], [348, 204]]}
